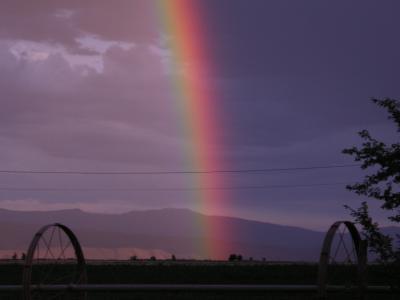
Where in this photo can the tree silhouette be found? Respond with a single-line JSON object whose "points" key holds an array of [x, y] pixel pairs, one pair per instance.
{"points": [[232, 257], [235, 257], [382, 184]]}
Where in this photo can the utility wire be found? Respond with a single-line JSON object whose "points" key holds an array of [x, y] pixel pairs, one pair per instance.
{"points": [[244, 187], [263, 170]]}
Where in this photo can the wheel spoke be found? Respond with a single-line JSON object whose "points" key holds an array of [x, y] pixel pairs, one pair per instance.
{"points": [[342, 237], [337, 249], [48, 245], [60, 238]]}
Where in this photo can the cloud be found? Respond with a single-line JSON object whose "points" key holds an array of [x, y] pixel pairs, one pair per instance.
{"points": [[112, 207], [67, 22], [74, 112], [40, 51]]}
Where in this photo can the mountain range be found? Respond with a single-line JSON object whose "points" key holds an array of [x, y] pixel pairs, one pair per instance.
{"points": [[162, 233]]}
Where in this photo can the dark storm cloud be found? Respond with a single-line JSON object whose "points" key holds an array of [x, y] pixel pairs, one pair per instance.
{"points": [[309, 66]]}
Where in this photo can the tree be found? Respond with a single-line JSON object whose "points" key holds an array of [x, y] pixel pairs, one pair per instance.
{"points": [[232, 257], [382, 184], [235, 257]]}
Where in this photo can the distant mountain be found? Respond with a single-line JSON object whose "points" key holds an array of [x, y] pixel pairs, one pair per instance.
{"points": [[164, 232]]}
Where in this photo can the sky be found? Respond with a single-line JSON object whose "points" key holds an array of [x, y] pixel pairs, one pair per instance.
{"points": [[86, 85]]}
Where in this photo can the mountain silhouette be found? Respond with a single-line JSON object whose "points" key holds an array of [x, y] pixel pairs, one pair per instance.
{"points": [[164, 232]]}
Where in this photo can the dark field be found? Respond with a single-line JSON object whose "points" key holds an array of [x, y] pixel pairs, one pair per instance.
{"points": [[167, 272]]}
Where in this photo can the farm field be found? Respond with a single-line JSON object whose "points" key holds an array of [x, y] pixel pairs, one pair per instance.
{"points": [[168, 272]]}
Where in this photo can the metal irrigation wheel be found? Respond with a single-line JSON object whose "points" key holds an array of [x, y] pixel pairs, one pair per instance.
{"points": [[54, 257], [343, 259]]}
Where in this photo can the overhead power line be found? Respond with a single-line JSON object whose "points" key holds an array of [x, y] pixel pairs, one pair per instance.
{"points": [[261, 170], [244, 187]]}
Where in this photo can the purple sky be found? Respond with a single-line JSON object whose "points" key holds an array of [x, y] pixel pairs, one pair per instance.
{"points": [[85, 86]]}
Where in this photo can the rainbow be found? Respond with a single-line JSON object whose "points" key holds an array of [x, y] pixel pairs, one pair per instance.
{"points": [[191, 61]]}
